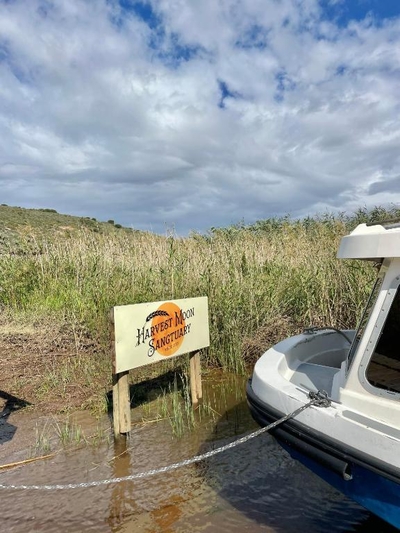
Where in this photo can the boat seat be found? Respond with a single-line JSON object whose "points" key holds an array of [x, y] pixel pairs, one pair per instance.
{"points": [[314, 377]]}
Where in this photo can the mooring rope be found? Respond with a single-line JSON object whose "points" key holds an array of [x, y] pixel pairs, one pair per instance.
{"points": [[318, 399]]}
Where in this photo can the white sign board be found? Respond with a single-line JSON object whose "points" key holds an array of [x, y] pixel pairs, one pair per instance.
{"points": [[149, 332]]}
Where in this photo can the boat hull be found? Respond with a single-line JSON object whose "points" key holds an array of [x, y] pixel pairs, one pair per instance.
{"points": [[369, 482]]}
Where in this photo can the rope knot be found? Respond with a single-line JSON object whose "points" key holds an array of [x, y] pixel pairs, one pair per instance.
{"points": [[319, 398]]}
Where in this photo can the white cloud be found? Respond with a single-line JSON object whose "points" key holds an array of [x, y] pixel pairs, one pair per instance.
{"points": [[102, 115]]}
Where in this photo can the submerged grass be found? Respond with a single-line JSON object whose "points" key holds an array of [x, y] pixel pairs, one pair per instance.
{"points": [[56, 434], [263, 282], [174, 404], [68, 432]]}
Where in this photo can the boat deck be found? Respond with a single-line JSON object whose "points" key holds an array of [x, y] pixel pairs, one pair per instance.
{"points": [[314, 377]]}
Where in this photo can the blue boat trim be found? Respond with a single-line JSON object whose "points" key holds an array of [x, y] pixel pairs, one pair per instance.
{"points": [[374, 492], [324, 450]]}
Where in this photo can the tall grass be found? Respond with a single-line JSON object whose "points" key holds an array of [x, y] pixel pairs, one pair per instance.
{"points": [[277, 271]]}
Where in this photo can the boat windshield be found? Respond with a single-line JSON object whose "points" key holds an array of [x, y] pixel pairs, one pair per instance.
{"points": [[364, 318], [383, 370]]}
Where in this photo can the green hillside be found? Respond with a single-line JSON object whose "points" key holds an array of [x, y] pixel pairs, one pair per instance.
{"points": [[17, 223]]}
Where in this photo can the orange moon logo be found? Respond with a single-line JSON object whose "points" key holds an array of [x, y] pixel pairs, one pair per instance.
{"points": [[167, 330]]}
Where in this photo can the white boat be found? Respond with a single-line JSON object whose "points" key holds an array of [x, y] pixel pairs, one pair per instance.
{"points": [[354, 443]]}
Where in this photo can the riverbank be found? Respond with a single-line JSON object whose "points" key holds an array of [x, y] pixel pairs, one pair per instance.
{"points": [[58, 283]]}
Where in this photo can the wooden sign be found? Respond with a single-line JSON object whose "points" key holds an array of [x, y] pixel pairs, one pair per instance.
{"points": [[149, 332]]}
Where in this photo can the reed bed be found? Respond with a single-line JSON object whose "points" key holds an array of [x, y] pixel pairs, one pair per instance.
{"points": [[263, 281]]}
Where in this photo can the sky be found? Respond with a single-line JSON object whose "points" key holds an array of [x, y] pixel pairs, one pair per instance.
{"points": [[190, 114]]}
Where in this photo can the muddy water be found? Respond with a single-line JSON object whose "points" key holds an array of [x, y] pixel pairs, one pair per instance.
{"points": [[255, 487]]}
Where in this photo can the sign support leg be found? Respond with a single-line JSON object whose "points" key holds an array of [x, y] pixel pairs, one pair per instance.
{"points": [[121, 404], [196, 390]]}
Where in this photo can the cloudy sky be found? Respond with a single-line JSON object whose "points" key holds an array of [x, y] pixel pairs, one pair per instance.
{"points": [[199, 113]]}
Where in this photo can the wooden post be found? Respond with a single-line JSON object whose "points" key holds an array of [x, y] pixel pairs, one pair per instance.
{"points": [[121, 397], [195, 378], [199, 386], [115, 400], [122, 405]]}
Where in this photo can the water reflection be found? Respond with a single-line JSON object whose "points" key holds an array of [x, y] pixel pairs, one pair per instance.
{"points": [[120, 496], [262, 483]]}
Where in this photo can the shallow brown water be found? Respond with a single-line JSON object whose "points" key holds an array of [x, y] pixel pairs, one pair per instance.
{"points": [[255, 487]]}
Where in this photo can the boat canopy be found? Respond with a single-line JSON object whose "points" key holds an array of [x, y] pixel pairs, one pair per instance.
{"points": [[371, 242]]}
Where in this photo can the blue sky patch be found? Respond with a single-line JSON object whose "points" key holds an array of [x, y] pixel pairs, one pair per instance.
{"points": [[255, 37], [175, 53], [345, 11], [142, 10], [283, 84], [23, 76], [4, 53], [226, 92], [341, 70], [167, 48]]}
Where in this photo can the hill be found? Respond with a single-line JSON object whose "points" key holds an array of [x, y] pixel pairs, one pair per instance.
{"points": [[17, 222]]}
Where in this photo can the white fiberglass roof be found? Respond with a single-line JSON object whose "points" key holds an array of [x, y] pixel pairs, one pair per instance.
{"points": [[371, 242]]}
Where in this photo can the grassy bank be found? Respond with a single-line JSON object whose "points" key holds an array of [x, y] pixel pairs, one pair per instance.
{"points": [[263, 281]]}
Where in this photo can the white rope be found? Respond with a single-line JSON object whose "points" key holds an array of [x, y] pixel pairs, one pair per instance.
{"points": [[319, 399]]}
